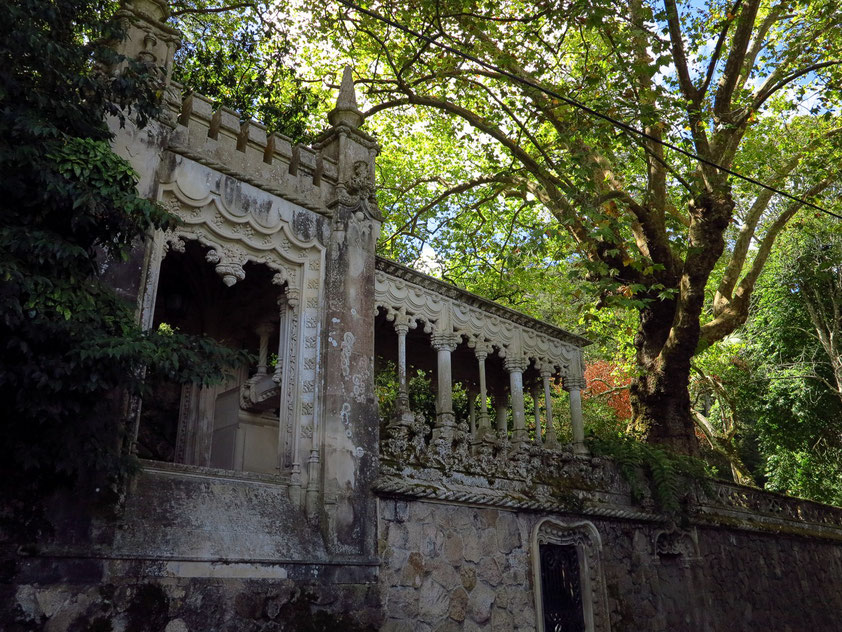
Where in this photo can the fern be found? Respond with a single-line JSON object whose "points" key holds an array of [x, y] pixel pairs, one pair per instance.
{"points": [[667, 476]]}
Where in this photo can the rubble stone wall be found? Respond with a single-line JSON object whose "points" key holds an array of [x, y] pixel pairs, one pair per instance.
{"points": [[457, 567], [191, 605]]}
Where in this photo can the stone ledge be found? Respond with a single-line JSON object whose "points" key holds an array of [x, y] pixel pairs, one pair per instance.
{"points": [[198, 471], [92, 568], [818, 521]]}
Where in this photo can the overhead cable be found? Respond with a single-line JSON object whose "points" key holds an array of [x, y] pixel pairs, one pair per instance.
{"points": [[577, 104]]}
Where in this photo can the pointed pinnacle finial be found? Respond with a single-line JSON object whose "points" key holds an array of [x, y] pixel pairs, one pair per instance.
{"points": [[346, 110]]}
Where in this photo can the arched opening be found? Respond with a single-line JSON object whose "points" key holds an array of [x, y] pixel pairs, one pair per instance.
{"points": [[234, 424]]}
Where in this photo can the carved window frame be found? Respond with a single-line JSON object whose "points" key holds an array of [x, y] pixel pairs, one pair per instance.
{"points": [[201, 198], [585, 537]]}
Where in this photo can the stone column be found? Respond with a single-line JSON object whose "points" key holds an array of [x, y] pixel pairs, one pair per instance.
{"points": [[574, 386], [552, 434], [403, 390], [472, 412], [515, 366], [536, 409], [501, 407], [263, 331], [444, 344], [403, 416], [484, 425]]}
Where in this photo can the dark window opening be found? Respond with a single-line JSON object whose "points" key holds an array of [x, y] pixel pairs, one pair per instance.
{"points": [[561, 588]]}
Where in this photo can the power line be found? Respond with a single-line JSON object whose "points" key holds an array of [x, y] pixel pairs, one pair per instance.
{"points": [[577, 104]]}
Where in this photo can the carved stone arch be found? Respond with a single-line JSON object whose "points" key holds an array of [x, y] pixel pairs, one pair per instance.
{"points": [[241, 224], [584, 536]]}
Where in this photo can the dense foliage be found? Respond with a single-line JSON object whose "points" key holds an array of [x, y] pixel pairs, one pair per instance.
{"points": [[70, 348], [775, 392], [237, 58], [505, 179]]}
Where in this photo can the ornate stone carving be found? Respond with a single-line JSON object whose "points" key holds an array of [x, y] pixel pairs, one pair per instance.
{"points": [[675, 542], [240, 224], [230, 271], [414, 297], [571, 382], [516, 363]]}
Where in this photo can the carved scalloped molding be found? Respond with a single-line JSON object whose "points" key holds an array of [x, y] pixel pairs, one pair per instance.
{"points": [[585, 537], [408, 303]]}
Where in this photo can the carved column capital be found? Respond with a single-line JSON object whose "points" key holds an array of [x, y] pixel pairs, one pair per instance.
{"points": [[482, 350], [230, 270], [574, 383], [293, 297], [401, 328], [445, 341], [516, 364]]}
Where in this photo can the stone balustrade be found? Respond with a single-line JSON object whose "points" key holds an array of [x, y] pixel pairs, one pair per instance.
{"points": [[496, 353]]}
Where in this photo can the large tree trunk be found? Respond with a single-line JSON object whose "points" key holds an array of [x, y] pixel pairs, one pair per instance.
{"points": [[660, 395], [668, 334]]}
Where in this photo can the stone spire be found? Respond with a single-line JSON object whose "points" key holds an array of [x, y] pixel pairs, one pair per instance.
{"points": [[346, 110]]}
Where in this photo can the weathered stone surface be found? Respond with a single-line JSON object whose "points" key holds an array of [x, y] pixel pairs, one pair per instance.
{"points": [[404, 601], [453, 549], [501, 620], [445, 573], [176, 625], [413, 571], [480, 601], [508, 532], [433, 601], [469, 577], [489, 570], [645, 592], [458, 604]]}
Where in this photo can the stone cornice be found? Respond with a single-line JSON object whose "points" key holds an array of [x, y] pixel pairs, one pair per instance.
{"points": [[401, 271], [727, 506]]}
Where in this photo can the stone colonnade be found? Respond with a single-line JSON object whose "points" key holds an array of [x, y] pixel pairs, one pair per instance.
{"points": [[525, 345]]}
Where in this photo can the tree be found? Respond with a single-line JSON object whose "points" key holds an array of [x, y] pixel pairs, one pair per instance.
{"points": [[233, 54], [793, 344], [728, 82], [69, 346]]}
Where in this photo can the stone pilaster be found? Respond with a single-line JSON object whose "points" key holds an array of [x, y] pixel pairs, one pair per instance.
{"points": [[350, 455]]}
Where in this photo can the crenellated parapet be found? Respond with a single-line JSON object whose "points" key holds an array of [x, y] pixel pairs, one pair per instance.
{"points": [[220, 139]]}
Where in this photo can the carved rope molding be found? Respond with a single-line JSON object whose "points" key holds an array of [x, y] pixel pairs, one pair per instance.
{"points": [[802, 518], [240, 224], [408, 302]]}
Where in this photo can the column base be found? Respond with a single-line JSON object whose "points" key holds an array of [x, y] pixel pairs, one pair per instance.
{"points": [[445, 428], [519, 438], [580, 449], [403, 418]]}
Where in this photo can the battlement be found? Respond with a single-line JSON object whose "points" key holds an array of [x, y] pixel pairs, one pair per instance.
{"points": [[245, 149]]}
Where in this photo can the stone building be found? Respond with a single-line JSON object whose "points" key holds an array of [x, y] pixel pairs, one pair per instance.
{"points": [[280, 500]]}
